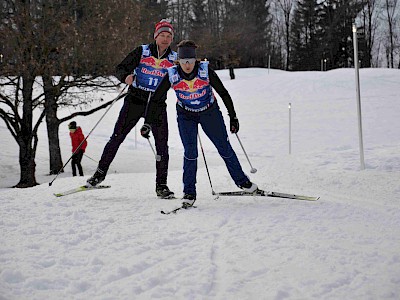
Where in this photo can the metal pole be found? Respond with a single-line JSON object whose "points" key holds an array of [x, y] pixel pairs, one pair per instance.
{"points": [[91, 158], [252, 170], [360, 136], [205, 163], [290, 128], [157, 157], [269, 63]]}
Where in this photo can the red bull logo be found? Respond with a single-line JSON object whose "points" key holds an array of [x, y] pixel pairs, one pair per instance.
{"points": [[153, 72], [166, 64], [193, 96], [191, 86], [182, 86], [149, 61], [156, 63], [199, 83]]}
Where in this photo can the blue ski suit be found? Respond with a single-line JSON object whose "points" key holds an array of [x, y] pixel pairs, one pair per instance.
{"points": [[196, 104]]}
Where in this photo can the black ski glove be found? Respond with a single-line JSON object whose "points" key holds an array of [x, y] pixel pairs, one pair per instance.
{"points": [[145, 131], [234, 125]]}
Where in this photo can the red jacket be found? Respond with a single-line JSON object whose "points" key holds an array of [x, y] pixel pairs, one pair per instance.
{"points": [[76, 138]]}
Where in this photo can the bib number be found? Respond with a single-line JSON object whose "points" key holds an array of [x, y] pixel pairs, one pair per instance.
{"points": [[153, 81]]}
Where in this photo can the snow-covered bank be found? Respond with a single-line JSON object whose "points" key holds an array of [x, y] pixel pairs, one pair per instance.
{"points": [[115, 244]]}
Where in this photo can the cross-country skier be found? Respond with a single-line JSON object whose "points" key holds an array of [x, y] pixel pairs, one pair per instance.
{"points": [[193, 82], [143, 69]]}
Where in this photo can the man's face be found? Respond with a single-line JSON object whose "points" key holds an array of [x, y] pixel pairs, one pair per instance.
{"points": [[164, 40]]}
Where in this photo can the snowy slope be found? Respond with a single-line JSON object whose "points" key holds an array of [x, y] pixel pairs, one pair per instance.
{"points": [[115, 244]]}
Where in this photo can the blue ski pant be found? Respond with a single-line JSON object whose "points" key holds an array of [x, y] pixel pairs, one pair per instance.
{"points": [[213, 126]]}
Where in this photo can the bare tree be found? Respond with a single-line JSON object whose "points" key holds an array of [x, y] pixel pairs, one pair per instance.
{"points": [[390, 7], [286, 7], [52, 48], [370, 23], [16, 96]]}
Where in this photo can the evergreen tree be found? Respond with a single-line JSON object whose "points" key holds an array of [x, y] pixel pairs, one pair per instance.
{"points": [[337, 19], [247, 28], [321, 33], [305, 36]]}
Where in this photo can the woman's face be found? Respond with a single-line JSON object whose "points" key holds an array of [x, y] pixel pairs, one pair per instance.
{"points": [[187, 64]]}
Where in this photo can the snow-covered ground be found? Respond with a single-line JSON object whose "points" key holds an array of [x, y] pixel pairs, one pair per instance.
{"points": [[115, 244]]}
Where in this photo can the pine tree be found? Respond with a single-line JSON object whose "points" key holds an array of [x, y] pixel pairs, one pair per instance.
{"points": [[305, 36], [248, 24], [321, 34], [336, 27]]}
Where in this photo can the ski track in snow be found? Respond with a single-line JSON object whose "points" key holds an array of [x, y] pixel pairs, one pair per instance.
{"points": [[115, 243], [250, 246]]}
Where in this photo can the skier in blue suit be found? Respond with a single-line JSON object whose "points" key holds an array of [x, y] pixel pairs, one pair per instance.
{"points": [[193, 82]]}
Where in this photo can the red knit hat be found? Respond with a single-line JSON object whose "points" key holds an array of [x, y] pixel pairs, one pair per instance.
{"points": [[163, 26]]}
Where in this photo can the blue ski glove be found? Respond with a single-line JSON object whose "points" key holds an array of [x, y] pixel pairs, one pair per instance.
{"points": [[234, 124], [145, 131]]}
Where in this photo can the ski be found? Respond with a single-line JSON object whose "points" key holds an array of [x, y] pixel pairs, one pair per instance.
{"points": [[81, 189], [174, 211], [259, 192], [169, 197]]}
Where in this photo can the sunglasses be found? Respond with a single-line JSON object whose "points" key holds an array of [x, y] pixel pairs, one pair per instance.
{"points": [[183, 61]]}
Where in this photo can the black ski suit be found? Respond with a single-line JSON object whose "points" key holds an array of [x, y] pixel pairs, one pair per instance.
{"points": [[133, 109]]}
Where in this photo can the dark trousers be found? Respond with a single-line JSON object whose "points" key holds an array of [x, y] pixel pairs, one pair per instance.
{"points": [[213, 126], [128, 117], [76, 162]]}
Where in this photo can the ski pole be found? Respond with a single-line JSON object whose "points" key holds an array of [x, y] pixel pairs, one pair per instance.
{"points": [[158, 157], [121, 94], [205, 162], [91, 158], [252, 170]]}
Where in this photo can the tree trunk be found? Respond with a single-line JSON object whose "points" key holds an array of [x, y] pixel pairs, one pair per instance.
{"points": [[56, 163], [27, 138], [27, 163], [53, 124]]}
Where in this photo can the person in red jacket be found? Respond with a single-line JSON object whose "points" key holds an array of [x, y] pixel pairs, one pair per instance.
{"points": [[75, 132]]}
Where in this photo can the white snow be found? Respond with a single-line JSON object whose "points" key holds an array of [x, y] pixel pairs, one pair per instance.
{"points": [[115, 243]]}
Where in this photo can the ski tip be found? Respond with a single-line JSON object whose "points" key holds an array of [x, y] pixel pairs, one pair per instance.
{"points": [[168, 212]]}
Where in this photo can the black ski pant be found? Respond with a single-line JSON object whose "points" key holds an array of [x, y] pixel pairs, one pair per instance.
{"points": [[76, 162], [128, 117]]}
